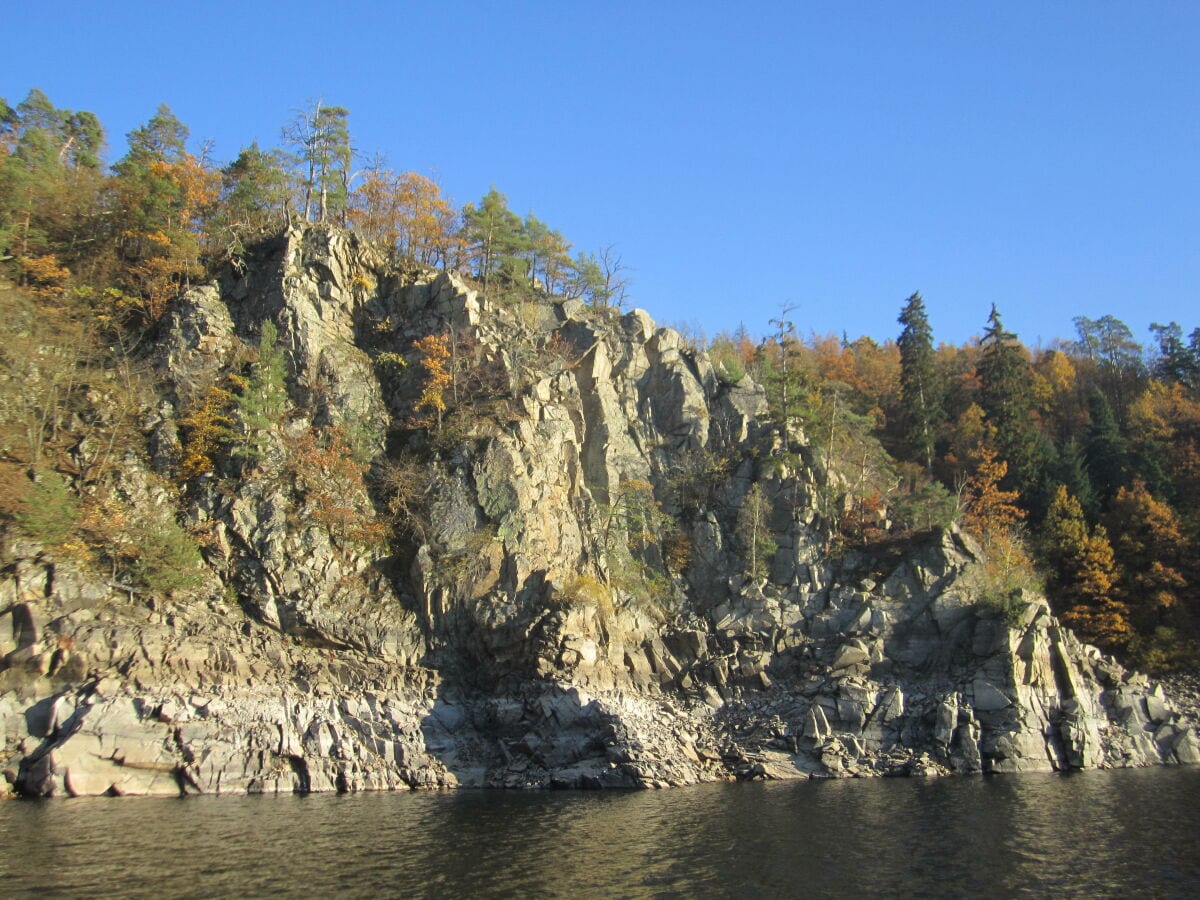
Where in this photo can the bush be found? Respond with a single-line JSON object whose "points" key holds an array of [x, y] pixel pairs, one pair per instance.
{"points": [[163, 557], [1002, 579], [50, 511], [586, 590]]}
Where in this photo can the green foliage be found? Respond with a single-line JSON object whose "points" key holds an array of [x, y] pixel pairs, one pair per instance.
{"points": [[494, 234], [320, 138], [921, 389], [926, 507], [161, 556], [586, 590], [1105, 451], [754, 533], [1005, 394], [726, 360], [50, 510], [263, 399]]}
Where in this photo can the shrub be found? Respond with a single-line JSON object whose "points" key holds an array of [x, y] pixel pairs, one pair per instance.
{"points": [[586, 590], [50, 511], [1002, 579], [163, 557]]}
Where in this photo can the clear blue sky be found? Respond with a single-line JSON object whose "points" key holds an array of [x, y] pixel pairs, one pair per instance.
{"points": [[838, 156]]}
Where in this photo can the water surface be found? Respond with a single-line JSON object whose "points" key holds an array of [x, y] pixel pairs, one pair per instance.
{"points": [[1092, 834]]}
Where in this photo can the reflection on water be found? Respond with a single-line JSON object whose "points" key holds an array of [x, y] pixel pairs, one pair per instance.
{"points": [[1091, 834]]}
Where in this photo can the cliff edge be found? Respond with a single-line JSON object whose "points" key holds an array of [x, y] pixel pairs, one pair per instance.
{"points": [[543, 582]]}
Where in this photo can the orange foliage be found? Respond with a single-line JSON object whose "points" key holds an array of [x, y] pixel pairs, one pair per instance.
{"points": [[205, 427], [988, 508], [407, 212], [435, 359], [43, 274], [332, 484], [1150, 547]]}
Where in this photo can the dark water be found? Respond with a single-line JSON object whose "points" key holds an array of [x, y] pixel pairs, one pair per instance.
{"points": [[1117, 834]]}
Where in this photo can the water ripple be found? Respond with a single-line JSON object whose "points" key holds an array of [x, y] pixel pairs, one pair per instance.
{"points": [[1110, 834]]}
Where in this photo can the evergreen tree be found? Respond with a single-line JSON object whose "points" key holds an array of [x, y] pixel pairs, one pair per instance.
{"points": [[50, 187], [920, 388], [1071, 472], [163, 192], [1177, 361], [493, 233], [1105, 451], [320, 135], [255, 191], [1005, 393], [263, 399]]}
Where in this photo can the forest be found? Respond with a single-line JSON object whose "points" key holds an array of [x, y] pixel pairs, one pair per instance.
{"points": [[1076, 465]]}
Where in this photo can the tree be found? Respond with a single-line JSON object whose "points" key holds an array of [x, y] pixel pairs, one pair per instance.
{"points": [[163, 191], [206, 426], [988, 507], [50, 189], [1108, 345], [1177, 362], [1150, 548], [787, 378], [320, 135], [1083, 578], [1005, 394], [920, 388], [406, 213], [493, 233], [263, 399], [435, 360], [255, 193], [754, 533], [1104, 450]]}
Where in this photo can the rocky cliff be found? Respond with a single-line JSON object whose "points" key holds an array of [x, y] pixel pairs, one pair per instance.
{"points": [[548, 588]]}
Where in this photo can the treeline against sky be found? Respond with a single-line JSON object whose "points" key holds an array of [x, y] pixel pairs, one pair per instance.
{"points": [[1076, 465], [162, 215]]}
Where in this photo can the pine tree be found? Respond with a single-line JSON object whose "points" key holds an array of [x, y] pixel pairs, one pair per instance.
{"points": [[263, 399], [920, 388], [493, 233], [1005, 393], [1105, 450], [163, 192]]}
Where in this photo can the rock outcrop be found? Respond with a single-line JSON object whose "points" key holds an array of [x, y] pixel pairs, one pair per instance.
{"points": [[536, 629]]}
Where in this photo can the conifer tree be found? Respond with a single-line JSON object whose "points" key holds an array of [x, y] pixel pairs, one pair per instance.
{"points": [[1105, 450], [263, 399], [493, 233], [920, 388], [1006, 397], [162, 192]]}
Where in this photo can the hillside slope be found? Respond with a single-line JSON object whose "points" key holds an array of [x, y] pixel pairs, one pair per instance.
{"points": [[550, 580]]}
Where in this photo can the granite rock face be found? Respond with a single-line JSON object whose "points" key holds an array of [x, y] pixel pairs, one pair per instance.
{"points": [[506, 642]]}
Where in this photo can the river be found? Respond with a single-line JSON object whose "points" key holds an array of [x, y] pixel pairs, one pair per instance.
{"points": [[1093, 834]]}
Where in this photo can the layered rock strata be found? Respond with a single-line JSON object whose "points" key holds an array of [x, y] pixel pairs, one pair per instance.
{"points": [[505, 643]]}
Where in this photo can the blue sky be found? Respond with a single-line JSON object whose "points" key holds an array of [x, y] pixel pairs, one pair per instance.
{"points": [[836, 156]]}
